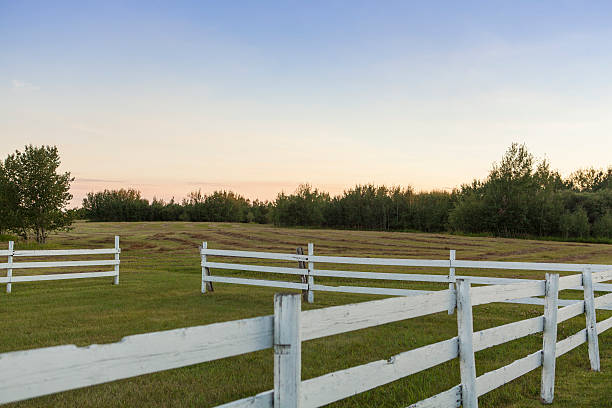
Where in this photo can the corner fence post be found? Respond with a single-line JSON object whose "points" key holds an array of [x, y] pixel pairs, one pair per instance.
{"points": [[451, 279], [9, 271], [549, 342], [591, 319], [117, 252], [287, 350], [467, 363], [310, 275], [206, 285]]}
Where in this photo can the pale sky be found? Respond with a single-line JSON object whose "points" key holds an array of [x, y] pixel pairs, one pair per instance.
{"points": [[258, 97]]}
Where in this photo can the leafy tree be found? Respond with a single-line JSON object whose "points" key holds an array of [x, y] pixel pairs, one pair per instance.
{"points": [[8, 202], [41, 194]]}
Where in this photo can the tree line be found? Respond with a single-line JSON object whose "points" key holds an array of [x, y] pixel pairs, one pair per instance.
{"points": [[520, 197]]}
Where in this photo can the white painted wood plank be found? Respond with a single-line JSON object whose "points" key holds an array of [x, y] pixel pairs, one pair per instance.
{"points": [[496, 378], [256, 282], [65, 252], [604, 325], [382, 276], [254, 254], [601, 276], [261, 400], [61, 276], [602, 301], [533, 266], [30, 265], [500, 293], [4, 252], [571, 342], [287, 350], [495, 336], [601, 287], [447, 399], [340, 319], [591, 319], [569, 282], [467, 363], [573, 310], [371, 290], [380, 261], [341, 384], [254, 268], [32, 373], [549, 339]]}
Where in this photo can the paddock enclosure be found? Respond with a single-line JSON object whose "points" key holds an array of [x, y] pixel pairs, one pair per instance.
{"points": [[356, 349]]}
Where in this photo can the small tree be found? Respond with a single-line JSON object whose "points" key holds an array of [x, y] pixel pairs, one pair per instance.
{"points": [[41, 193]]}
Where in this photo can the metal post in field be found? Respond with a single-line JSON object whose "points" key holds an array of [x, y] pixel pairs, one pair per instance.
{"points": [[287, 350], [467, 362], [451, 279], [117, 252], [549, 342], [9, 271], [591, 319]]}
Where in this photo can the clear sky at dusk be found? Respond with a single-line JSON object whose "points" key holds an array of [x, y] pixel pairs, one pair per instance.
{"points": [[260, 96]]}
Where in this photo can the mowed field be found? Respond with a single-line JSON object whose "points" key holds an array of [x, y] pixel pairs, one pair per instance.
{"points": [[160, 290]]}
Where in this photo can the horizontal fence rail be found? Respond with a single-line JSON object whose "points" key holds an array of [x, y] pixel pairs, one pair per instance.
{"points": [[309, 274], [31, 373], [11, 265]]}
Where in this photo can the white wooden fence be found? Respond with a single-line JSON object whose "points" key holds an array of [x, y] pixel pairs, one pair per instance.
{"points": [[308, 275], [32, 373], [11, 265]]}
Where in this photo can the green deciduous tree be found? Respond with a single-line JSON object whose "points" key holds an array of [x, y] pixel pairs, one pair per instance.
{"points": [[37, 193]]}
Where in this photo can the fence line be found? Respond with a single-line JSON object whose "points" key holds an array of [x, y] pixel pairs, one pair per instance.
{"points": [[308, 275], [31, 373], [10, 265]]}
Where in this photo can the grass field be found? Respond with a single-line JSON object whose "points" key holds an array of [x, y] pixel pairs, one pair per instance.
{"points": [[160, 290]]}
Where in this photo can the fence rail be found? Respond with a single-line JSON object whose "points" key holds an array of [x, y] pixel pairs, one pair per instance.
{"points": [[31, 373], [11, 265], [309, 274]]}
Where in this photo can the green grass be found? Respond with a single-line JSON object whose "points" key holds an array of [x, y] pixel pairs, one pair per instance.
{"points": [[160, 290]]}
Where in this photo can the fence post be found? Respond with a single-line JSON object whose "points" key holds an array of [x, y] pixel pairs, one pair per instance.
{"points": [[117, 251], [205, 271], [591, 319], [310, 276], [549, 343], [304, 278], [287, 350], [467, 363], [9, 271], [451, 279]]}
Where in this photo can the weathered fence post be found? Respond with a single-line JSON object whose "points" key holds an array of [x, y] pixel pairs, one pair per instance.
{"points": [[451, 279], [591, 319], [9, 271], [205, 271], [117, 251], [549, 343], [467, 363], [310, 276], [304, 278], [287, 350]]}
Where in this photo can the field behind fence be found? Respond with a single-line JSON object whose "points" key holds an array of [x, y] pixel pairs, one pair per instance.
{"points": [[160, 290]]}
